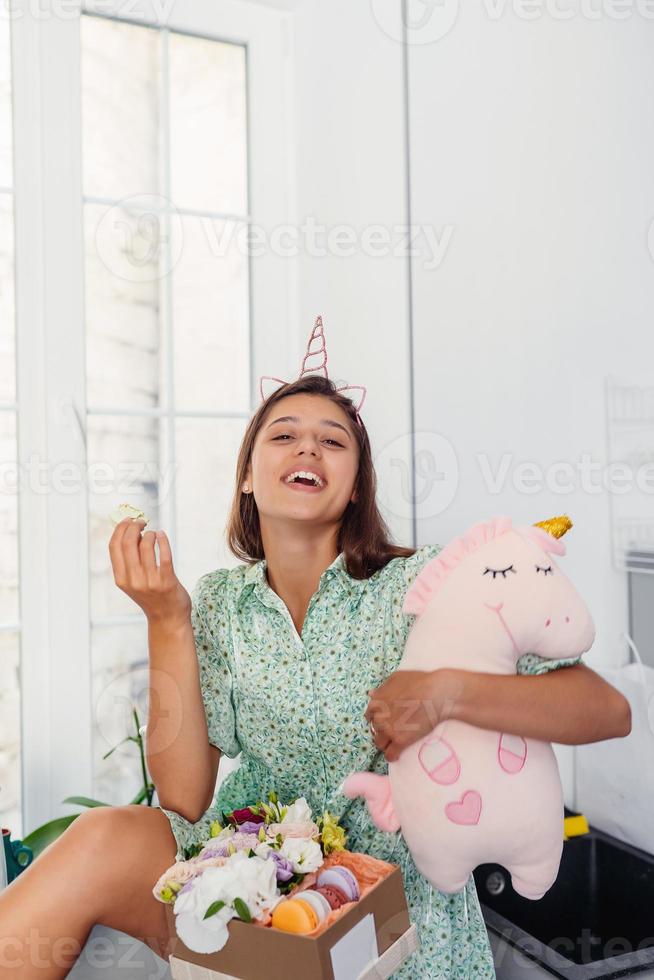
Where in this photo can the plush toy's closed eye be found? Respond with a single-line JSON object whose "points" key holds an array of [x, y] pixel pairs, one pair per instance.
{"points": [[500, 571]]}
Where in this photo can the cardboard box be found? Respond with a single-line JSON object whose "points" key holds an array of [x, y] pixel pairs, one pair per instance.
{"points": [[350, 947]]}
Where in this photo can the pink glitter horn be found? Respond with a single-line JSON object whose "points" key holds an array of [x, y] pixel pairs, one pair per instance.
{"points": [[315, 362]]}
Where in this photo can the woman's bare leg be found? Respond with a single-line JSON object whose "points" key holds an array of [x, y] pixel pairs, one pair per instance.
{"points": [[101, 870]]}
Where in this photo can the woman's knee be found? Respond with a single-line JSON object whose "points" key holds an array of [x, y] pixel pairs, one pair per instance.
{"points": [[98, 826], [131, 818], [125, 830]]}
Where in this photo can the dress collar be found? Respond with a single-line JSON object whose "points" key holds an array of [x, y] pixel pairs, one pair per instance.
{"points": [[255, 581]]}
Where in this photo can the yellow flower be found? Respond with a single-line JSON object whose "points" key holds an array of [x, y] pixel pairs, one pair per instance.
{"points": [[332, 835], [167, 894], [215, 828]]}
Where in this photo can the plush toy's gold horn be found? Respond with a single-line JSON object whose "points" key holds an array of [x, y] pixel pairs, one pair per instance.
{"points": [[556, 526]]}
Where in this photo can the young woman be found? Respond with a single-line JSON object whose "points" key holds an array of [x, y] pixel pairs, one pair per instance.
{"points": [[284, 659]]}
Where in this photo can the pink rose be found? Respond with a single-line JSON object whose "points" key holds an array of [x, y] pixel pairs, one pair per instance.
{"points": [[300, 828]]}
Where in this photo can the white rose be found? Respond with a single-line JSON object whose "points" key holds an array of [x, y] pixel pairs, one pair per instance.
{"points": [[304, 854], [298, 812], [200, 934], [253, 880]]}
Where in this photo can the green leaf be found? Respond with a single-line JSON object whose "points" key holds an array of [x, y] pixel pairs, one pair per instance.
{"points": [[84, 801], [107, 754], [43, 836], [242, 910], [213, 908]]}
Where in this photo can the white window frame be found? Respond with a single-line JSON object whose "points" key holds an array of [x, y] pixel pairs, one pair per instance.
{"points": [[56, 747]]}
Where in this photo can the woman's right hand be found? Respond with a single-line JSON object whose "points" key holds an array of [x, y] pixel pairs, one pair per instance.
{"points": [[155, 588]]}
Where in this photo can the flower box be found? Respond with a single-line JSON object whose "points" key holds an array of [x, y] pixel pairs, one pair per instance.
{"points": [[370, 938]]}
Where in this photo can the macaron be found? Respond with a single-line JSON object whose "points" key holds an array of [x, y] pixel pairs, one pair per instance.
{"points": [[342, 878], [294, 915], [335, 896], [319, 903]]}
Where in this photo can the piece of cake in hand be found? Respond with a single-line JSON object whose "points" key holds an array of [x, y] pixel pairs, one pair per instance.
{"points": [[127, 510]]}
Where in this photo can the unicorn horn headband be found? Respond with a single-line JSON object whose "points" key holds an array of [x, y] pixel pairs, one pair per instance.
{"points": [[314, 362]]}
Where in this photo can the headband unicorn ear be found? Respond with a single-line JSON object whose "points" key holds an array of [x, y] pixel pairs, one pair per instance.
{"points": [[315, 362]]}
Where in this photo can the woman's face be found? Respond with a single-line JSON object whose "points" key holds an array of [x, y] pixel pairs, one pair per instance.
{"points": [[318, 439]]}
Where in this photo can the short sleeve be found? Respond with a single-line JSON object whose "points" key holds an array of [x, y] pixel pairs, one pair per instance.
{"points": [[210, 621], [405, 573], [533, 663]]}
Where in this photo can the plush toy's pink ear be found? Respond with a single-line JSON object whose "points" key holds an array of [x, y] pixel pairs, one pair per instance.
{"points": [[417, 597]]}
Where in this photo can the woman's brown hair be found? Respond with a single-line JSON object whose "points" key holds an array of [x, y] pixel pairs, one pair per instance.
{"points": [[363, 537]]}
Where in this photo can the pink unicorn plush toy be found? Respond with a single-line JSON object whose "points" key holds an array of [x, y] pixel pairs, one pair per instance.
{"points": [[462, 795]]}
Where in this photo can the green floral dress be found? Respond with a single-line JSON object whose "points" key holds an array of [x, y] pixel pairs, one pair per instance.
{"points": [[294, 707]]}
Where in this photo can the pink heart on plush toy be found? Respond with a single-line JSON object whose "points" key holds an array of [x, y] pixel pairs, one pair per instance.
{"points": [[467, 810]]}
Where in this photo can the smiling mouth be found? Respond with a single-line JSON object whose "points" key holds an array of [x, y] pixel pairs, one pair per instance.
{"points": [[304, 487], [302, 484]]}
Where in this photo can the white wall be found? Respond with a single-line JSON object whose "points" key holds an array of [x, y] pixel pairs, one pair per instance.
{"points": [[532, 143], [350, 170]]}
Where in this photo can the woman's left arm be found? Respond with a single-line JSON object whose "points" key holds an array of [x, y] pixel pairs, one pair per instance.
{"points": [[571, 706]]}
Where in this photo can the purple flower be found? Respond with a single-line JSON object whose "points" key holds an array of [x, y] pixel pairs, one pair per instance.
{"points": [[249, 827], [284, 867], [243, 842], [218, 852], [237, 842]]}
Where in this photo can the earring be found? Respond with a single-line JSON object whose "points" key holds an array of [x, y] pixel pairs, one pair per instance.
{"points": [[245, 488]]}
